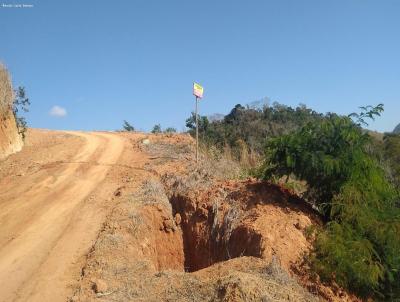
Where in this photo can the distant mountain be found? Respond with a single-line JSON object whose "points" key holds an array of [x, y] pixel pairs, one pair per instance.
{"points": [[259, 104], [256, 105], [216, 117], [397, 129]]}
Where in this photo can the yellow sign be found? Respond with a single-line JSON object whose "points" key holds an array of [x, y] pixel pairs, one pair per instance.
{"points": [[198, 90]]}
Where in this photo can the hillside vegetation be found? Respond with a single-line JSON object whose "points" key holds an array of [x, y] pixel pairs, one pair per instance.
{"points": [[397, 129], [251, 126], [391, 156], [351, 178]]}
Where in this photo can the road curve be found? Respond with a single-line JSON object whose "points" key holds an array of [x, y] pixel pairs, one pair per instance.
{"points": [[46, 226]]}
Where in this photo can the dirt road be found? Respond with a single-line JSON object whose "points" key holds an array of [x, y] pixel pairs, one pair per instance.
{"points": [[46, 218]]}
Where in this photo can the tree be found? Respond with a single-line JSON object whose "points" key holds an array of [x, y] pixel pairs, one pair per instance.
{"points": [[20, 104], [235, 113], [128, 127], [368, 112], [156, 129], [202, 120]]}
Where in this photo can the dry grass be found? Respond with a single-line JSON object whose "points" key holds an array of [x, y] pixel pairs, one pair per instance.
{"points": [[6, 91], [136, 222], [151, 192], [214, 226], [225, 164], [231, 218], [164, 151], [107, 241]]}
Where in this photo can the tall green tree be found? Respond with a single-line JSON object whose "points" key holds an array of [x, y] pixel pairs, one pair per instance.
{"points": [[128, 127], [21, 104], [156, 129]]}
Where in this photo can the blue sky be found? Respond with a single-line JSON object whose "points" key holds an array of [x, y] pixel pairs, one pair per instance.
{"points": [[106, 61]]}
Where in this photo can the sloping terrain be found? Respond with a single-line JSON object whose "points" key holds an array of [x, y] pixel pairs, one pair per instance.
{"points": [[51, 208], [397, 129], [149, 250], [106, 216], [10, 140]]}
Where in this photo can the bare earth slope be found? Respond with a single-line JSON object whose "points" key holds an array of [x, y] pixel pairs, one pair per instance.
{"points": [[101, 216], [10, 139]]}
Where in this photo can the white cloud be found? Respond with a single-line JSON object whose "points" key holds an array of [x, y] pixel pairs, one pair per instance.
{"points": [[58, 111]]}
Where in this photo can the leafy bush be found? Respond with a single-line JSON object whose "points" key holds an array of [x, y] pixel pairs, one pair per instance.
{"points": [[170, 130], [360, 245], [320, 153]]}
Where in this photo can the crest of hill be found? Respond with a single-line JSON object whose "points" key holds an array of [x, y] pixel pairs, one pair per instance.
{"points": [[397, 129]]}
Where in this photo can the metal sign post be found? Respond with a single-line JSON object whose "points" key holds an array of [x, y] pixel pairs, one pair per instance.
{"points": [[197, 132], [198, 93]]}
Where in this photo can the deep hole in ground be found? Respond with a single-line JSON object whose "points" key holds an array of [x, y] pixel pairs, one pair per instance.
{"points": [[212, 233]]}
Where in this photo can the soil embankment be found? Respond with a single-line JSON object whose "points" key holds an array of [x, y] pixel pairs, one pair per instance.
{"points": [[100, 216], [10, 139], [181, 236]]}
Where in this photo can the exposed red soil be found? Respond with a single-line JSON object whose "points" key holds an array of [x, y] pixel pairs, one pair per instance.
{"points": [[10, 138], [246, 218], [127, 217]]}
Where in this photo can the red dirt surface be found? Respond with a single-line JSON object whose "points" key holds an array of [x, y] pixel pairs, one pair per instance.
{"points": [[244, 218]]}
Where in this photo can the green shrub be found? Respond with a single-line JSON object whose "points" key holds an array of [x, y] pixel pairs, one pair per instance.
{"points": [[170, 130], [360, 246], [351, 257]]}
